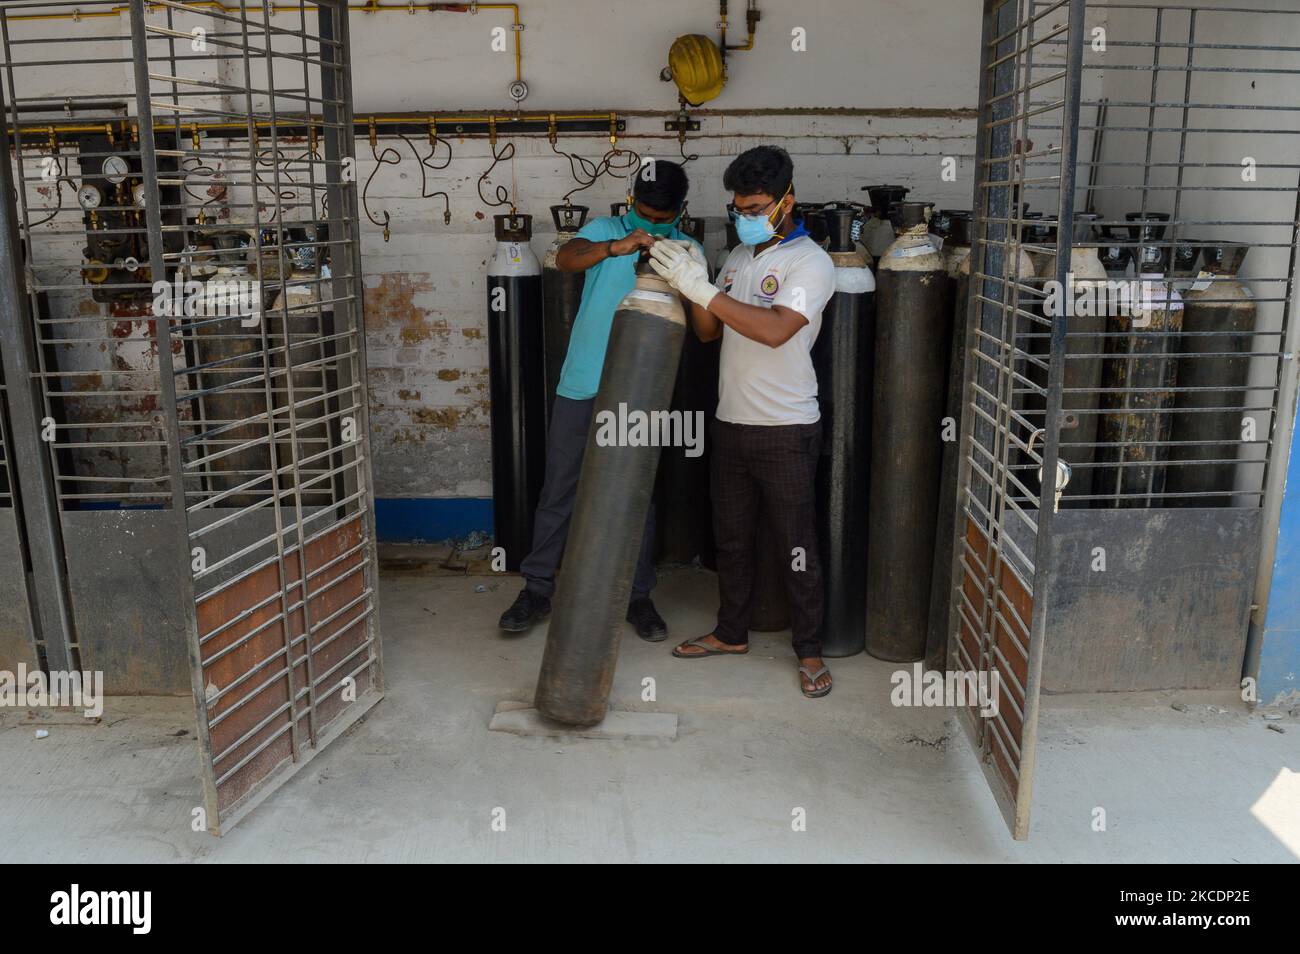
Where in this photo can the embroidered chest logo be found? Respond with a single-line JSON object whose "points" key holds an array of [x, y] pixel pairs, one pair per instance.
{"points": [[769, 284]]}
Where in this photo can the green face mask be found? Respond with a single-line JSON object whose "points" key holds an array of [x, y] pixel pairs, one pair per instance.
{"points": [[657, 229]]}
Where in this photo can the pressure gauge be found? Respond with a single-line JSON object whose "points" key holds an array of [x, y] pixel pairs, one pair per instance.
{"points": [[137, 195], [89, 197], [115, 169]]}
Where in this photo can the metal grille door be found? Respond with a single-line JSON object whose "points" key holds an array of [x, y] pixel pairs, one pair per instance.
{"points": [[1131, 373], [267, 416], [198, 353], [1029, 73]]}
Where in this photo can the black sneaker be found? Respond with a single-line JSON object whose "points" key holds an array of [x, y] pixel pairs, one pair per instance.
{"points": [[527, 609], [650, 626]]}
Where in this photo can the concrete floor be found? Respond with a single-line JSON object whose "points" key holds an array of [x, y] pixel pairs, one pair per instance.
{"points": [[420, 778]]}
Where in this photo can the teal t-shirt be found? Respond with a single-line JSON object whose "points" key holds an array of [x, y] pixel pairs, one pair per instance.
{"points": [[606, 285]]}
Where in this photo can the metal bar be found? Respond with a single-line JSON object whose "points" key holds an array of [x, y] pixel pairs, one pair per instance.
{"points": [[32, 478], [167, 385]]}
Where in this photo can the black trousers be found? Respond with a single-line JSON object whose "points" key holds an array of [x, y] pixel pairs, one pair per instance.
{"points": [[570, 422], [777, 468]]}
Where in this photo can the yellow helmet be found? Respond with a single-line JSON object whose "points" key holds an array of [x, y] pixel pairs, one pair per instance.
{"points": [[695, 63]]}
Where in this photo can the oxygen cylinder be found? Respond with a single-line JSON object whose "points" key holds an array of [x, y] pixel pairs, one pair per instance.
{"points": [[1085, 335], [878, 232], [683, 508], [956, 243], [1221, 312], [914, 312], [614, 489], [306, 435], [1182, 270], [1148, 228], [517, 384], [561, 296], [230, 353], [1115, 255], [941, 222], [810, 213], [1040, 235], [842, 357], [690, 226], [956, 254], [1140, 366]]}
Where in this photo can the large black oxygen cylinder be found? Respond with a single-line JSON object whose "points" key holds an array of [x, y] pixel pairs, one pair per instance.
{"points": [[517, 385], [1221, 312], [561, 296], [683, 507], [956, 226], [614, 490], [842, 357], [1138, 377], [913, 314]]}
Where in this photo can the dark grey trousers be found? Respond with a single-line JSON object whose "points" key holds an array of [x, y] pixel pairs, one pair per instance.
{"points": [[570, 421]]}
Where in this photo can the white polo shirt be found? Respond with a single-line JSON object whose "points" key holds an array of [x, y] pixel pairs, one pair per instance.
{"points": [[772, 386]]}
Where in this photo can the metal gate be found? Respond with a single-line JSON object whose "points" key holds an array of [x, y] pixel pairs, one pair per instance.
{"points": [[198, 364], [1108, 146]]}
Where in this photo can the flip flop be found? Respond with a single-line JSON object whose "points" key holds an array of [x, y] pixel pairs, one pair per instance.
{"points": [[812, 678], [708, 650]]}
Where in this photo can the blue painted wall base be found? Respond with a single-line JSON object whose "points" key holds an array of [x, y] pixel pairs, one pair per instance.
{"points": [[432, 519]]}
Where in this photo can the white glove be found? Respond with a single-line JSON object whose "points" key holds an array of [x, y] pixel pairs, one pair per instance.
{"points": [[683, 271], [695, 252]]}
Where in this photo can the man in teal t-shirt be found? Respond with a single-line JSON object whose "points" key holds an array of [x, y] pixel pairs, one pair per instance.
{"points": [[606, 249]]}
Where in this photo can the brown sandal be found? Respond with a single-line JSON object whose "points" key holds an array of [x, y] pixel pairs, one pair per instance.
{"points": [[708, 650]]}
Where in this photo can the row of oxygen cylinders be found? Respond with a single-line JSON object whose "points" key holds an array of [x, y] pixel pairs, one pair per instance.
{"points": [[890, 359]]}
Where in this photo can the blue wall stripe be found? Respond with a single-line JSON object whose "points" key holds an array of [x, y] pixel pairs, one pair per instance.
{"points": [[431, 519]]}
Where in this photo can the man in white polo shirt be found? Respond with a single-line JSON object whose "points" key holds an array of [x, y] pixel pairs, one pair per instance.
{"points": [[767, 435]]}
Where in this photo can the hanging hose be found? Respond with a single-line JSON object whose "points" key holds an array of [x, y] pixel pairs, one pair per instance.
{"points": [[195, 167], [501, 192], [381, 159], [681, 147], [615, 162], [426, 165]]}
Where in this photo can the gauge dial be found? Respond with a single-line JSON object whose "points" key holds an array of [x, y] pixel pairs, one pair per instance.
{"points": [[89, 197], [137, 195], [116, 169]]}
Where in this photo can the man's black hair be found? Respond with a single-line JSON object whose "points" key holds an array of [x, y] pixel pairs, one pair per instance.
{"points": [[661, 184], [765, 170]]}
